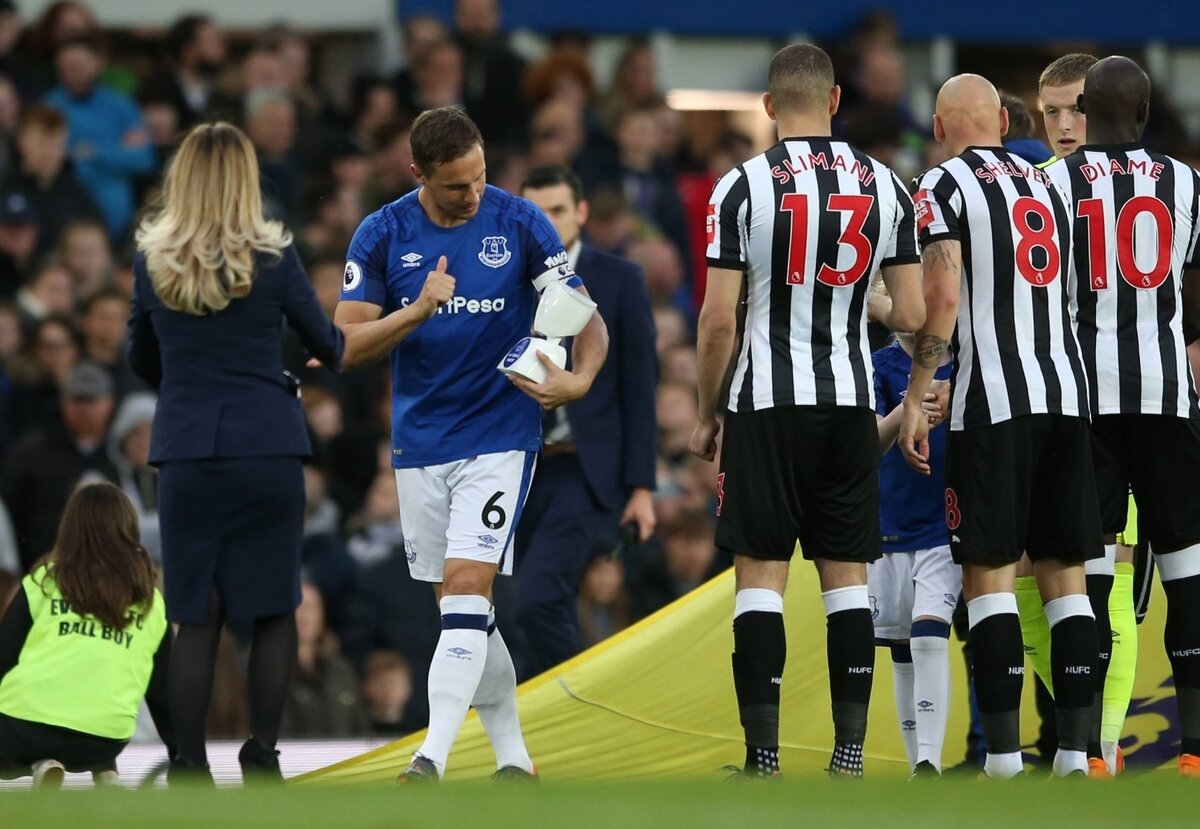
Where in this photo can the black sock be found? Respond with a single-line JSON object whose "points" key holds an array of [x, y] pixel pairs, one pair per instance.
{"points": [[269, 674], [1073, 667], [759, 653], [189, 682], [850, 647], [1182, 639], [1098, 590], [998, 667]]}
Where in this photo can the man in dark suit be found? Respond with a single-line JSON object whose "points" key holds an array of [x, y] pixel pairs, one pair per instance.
{"points": [[596, 472]]}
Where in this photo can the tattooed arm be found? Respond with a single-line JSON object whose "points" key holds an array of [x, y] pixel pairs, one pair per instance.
{"points": [[941, 264]]}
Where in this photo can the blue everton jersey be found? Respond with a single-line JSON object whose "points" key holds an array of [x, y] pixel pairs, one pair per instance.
{"points": [[448, 400], [912, 507]]}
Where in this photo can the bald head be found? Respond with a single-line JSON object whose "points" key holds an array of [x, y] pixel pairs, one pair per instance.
{"points": [[1116, 99], [969, 113]]}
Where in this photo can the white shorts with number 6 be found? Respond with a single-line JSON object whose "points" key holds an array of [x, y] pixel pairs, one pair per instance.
{"points": [[463, 509]]}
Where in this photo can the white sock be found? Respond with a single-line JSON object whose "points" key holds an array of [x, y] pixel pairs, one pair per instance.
{"points": [[1004, 766], [454, 673], [496, 703], [931, 684], [1066, 762], [902, 686]]}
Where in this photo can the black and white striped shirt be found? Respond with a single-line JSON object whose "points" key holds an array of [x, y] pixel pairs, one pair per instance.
{"points": [[809, 221], [1015, 346], [1137, 216]]}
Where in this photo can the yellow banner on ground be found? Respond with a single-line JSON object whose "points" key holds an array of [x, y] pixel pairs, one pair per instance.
{"points": [[657, 700]]}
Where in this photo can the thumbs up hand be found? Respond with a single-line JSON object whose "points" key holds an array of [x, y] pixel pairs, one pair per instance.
{"points": [[437, 290]]}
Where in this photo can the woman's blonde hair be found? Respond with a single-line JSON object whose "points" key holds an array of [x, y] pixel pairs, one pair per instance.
{"points": [[201, 238]]}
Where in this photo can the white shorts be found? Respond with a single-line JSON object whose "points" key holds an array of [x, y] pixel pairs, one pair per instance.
{"points": [[463, 509], [907, 586]]}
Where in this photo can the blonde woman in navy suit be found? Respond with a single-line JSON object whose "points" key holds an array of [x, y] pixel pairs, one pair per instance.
{"points": [[214, 281]]}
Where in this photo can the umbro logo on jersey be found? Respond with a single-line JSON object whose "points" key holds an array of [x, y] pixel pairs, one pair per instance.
{"points": [[495, 253], [411, 260]]}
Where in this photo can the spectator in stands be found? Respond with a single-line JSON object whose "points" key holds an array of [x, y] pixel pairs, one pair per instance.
{"points": [[671, 329], [45, 175], [388, 690], [437, 79], [613, 223], [10, 35], [687, 560], [51, 460], [195, 57], [664, 271], [635, 84], [372, 104], [49, 292], [639, 173], [676, 408], [323, 700], [108, 141], [391, 162], [86, 251], [59, 21], [52, 351], [10, 118], [263, 69], [556, 134], [18, 238], [603, 600], [563, 76], [129, 450], [103, 324], [419, 34], [324, 560], [271, 125], [492, 73]]}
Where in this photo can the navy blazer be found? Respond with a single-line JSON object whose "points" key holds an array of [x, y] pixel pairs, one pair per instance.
{"points": [[614, 425], [222, 390]]}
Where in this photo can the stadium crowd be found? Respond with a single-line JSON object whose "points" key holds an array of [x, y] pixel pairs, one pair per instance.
{"points": [[84, 133]]}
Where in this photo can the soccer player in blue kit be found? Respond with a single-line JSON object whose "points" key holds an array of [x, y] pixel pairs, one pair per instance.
{"points": [[464, 437], [914, 587]]}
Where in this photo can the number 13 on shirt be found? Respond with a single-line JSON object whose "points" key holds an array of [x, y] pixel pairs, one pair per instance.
{"points": [[858, 206]]}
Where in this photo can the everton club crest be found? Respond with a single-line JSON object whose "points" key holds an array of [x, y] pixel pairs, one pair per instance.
{"points": [[495, 253]]}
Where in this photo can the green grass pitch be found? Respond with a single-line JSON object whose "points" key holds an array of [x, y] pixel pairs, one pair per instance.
{"points": [[1153, 800]]}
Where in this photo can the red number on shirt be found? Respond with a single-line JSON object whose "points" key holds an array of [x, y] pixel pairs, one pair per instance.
{"points": [[720, 492], [953, 515], [1034, 238], [858, 206], [1092, 212]]}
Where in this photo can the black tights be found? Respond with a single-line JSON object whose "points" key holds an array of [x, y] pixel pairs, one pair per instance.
{"points": [[272, 662]]}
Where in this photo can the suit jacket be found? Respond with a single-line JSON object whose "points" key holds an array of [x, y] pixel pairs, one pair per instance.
{"points": [[222, 390], [614, 424]]}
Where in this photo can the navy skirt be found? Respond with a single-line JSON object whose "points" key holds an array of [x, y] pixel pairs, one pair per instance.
{"points": [[236, 525]]}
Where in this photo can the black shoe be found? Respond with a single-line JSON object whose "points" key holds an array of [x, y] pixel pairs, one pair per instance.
{"points": [[507, 773], [741, 775], [925, 770], [259, 763], [420, 770], [183, 773]]}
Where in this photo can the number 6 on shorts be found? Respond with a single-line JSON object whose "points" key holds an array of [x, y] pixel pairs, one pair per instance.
{"points": [[463, 509]]}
